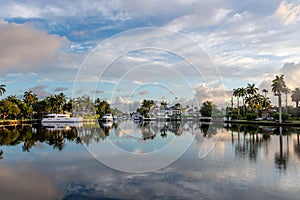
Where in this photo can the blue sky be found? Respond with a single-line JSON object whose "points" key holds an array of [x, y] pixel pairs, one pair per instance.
{"points": [[46, 44]]}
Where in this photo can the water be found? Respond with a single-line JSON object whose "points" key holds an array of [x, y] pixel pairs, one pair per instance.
{"points": [[240, 162]]}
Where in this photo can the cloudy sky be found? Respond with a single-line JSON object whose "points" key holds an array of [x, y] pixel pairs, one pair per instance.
{"points": [[125, 51]]}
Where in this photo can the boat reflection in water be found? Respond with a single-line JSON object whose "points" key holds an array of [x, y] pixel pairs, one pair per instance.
{"points": [[61, 126], [246, 162]]}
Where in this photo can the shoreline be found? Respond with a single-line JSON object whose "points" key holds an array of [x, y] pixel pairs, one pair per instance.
{"points": [[15, 122], [262, 123]]}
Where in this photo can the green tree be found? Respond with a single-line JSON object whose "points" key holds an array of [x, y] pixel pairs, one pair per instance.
{"points": [[41, 107], [278, 87], [25, 109], [243, 94], [237, 93], [8, 108], [30, 98], [102, 107], [2, 89], [207, 109], [286, 91], [60, 101], [56, 102], [296, 98], [251, 89], [163, 104], [145, 107], [84, 105], [265, 91], [148, 104]]}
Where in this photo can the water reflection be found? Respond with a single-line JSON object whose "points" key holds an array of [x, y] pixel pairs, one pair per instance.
{"points": [[250, 140], [249, 157], [1, 154], [30, 134]]}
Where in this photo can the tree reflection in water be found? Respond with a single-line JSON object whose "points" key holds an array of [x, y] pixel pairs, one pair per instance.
{"points": [[281, 158], [1, 154], [297, 144], [207, 130], [247, 141], [250, 140], [29, 135]]}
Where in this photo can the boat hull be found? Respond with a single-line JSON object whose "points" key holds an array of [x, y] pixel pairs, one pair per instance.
{"points": [[62, 120]]}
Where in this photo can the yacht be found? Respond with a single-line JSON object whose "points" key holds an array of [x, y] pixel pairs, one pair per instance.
{"points": [[61, 118], [107, 118]]}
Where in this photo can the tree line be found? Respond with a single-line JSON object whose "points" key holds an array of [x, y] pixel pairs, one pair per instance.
{"points": [[254, 103], [30, 106]]}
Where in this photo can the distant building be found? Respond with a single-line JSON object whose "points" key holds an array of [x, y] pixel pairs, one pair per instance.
{"points": [[166, 113]]}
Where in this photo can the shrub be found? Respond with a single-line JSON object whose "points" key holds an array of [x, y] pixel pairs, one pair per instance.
{"points": [[251, 116], [234, 116], [284, 116]]}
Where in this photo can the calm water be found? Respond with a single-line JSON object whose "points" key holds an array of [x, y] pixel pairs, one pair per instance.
{"points": [[240, 162]]}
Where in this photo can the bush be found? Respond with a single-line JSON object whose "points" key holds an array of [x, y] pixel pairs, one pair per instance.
{"points": [[234, 116], [284, 116], [251, 116]]}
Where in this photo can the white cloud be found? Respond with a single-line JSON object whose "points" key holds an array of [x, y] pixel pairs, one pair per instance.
{"points": [[197, 20], [288, 13], [237, 17], [124, 104], [23, 47], [292, 74], [203, 92]]}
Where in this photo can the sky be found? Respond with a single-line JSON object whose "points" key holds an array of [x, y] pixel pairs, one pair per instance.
{"points": [[124, 51]]}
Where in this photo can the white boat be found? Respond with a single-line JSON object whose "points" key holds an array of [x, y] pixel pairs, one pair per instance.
{"points": [[107, 118], [61, 126], [61, 118]]}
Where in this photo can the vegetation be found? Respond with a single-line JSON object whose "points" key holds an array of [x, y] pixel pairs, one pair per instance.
{"points": [[2, 89], [209, 109], [284, 116], [255, 104], [145, 107], [250, 104], [296, 98], [32, 107], [102, 107], [279, 87], [251, 116]]}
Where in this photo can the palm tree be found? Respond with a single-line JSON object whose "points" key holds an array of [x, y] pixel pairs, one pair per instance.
{"points": [[237, 94], [60, 99], [266, 102], [265, 91], [243, 93], [286, 90], [256, 102], [2, 89], [163, 104], [30, 98], [278, 87], [296, 98], [251, 89], [51, 102]]}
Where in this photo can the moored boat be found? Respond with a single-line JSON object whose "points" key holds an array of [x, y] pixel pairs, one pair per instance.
{"points": [[107, 118], [61, 118]]}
